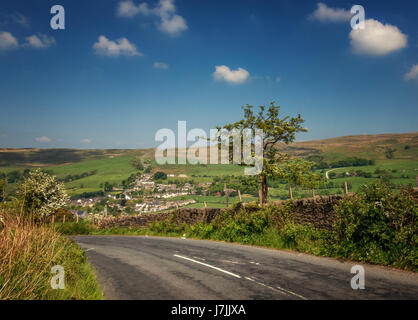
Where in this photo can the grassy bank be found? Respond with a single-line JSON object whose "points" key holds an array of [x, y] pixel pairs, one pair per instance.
{"points": [[377, 225], [27, 254]]}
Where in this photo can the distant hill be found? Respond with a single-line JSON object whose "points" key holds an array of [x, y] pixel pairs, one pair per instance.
{"points": [[364, 146], [42, 157]]}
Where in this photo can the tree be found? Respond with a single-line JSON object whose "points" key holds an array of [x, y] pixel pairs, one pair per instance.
{"points": [[276, 130], [160, 175], [42, 194], [137, 164], [390, 152], [107, 186]]}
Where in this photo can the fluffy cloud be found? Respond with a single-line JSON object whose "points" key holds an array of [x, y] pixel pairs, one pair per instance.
{"points": [[7, 41], [377, 39], [231, 76], [326, 14], [160, 65], [413, 73], [127, 9], [39, 41], [170, 22], [85, 141], [43, 139], [116, 48]]}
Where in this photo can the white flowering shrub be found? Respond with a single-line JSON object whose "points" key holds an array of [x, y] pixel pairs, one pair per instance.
{"points": [[43, 195]]}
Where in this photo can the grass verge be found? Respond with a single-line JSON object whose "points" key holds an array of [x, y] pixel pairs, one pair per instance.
{"points": [[27, 254]]}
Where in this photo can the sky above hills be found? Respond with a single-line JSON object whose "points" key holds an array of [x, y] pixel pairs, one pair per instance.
{"points": [[121, 70]]}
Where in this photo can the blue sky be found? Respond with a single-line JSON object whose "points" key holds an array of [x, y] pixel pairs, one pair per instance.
{"points": [[83, 87]]}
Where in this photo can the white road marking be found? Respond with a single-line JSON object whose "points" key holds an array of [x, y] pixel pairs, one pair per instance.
{"points": [[280, 289], [209, 266], [197, 258], [277, 289], [230, 261], [295, 294], [89, 249], [264, 285]]}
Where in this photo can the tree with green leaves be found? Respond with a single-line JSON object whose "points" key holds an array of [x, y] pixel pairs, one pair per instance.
{"points": [[159, 175], [137, 164], [390, 152], [276, 132]]}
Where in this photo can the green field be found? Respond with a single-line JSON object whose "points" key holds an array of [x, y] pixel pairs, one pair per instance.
{"points": [[112, 170], [114, 166]]}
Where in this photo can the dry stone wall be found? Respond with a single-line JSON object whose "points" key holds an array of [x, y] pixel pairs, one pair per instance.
{"points": [[318, 211]]}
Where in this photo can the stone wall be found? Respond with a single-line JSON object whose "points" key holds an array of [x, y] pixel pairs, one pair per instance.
{"points": [[182, 215], [317, 210]]}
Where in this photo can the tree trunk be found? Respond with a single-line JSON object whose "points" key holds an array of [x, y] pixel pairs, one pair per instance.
{"points": [[263, 191]]}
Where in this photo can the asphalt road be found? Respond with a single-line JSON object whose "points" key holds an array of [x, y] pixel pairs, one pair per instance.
{"points": [[134, 267]]}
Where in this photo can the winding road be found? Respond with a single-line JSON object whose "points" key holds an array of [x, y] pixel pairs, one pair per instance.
{"points": [[141, 267]]}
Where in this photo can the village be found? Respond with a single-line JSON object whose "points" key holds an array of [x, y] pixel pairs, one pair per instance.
{"points": [[143, 195]]}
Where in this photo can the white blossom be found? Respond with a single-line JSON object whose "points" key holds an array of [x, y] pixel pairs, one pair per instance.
{"points": [[43, 194]]}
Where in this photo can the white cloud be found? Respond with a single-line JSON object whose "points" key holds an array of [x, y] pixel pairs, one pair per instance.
{"points": [[110, 48], [327, 14], [173, 25], [377, 39], [231, 76], [160, 65], [128, 9], [7, 41], [413, 73], [39, 41], [43, 139], [170, 22], [85, 141], [278, 79]]}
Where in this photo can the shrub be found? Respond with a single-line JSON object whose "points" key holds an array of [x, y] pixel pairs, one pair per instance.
{"points": [[378, 225], [42, 194]]}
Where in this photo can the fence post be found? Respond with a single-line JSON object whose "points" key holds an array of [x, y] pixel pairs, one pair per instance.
{"points": [[239, 195], [313, 192], [290, 192], [345, 187]]}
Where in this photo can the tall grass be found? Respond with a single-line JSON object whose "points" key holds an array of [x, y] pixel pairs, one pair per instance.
{"points": [[27, 253]]}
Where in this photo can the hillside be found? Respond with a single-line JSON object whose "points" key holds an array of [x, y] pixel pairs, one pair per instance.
{"points": [[364, 146], [94, 167]]}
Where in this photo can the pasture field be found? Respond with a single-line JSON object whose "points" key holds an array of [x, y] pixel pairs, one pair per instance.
{"points": [[112, 169], [114, 166]]}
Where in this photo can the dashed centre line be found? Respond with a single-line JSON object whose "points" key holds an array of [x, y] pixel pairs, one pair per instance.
{"points": [[277, 289], [209, 266]]}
